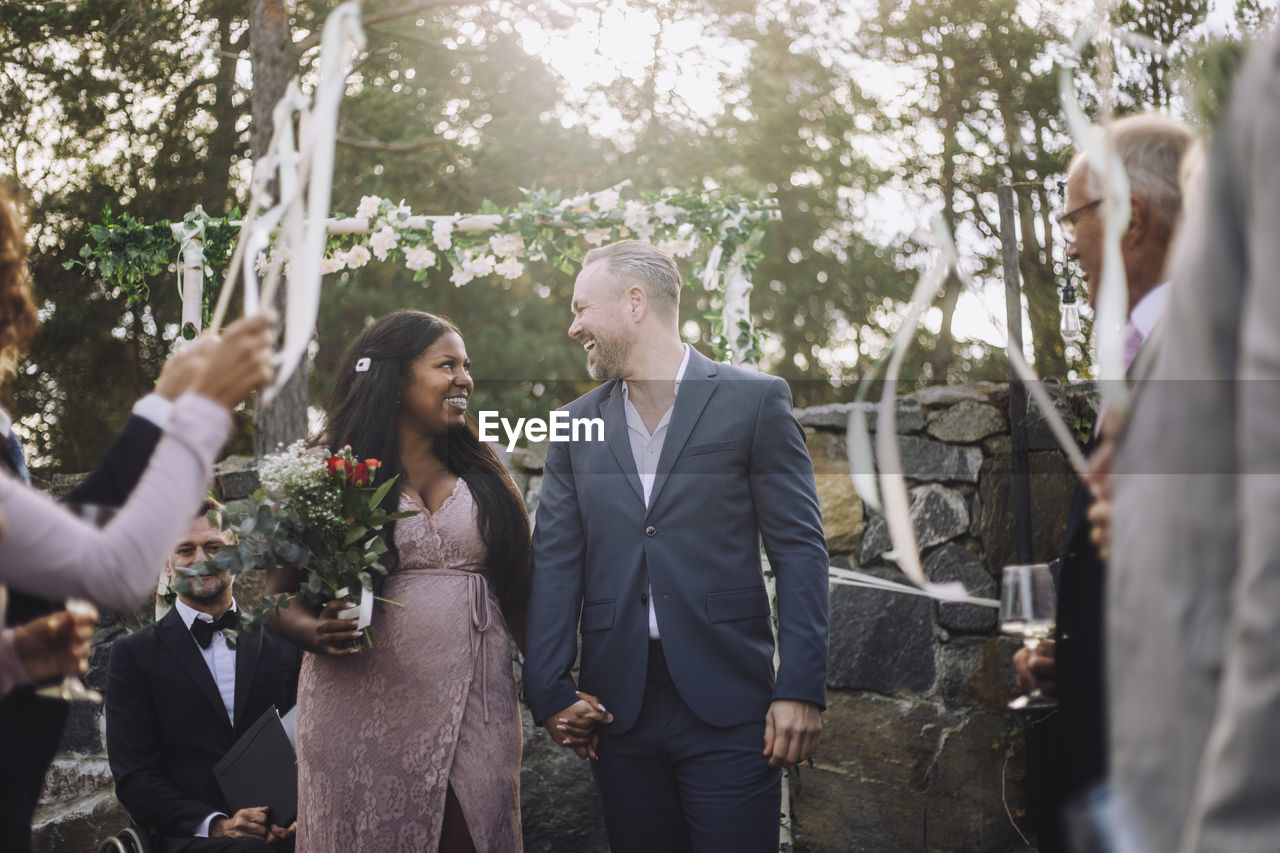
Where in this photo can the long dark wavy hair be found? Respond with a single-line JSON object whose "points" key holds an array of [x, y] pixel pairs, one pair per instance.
{"points": [[361, 412]]}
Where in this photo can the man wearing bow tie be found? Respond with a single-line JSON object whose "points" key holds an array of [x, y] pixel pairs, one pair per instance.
{"points": [[178, 697]]}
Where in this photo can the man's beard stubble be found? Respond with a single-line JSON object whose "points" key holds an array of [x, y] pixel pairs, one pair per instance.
{"points": [[204, 594], [611, 355]]}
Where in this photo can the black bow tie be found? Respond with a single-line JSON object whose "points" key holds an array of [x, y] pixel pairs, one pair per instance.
{"points": [[203, 631]]}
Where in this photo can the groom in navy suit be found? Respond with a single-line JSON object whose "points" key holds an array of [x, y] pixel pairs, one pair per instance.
{"points": [[647, 547]]}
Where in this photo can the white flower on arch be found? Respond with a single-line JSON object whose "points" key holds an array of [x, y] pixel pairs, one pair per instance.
{"points": [[368, 208], [419, 258], [383, 241], [506, 245], [357, 257]]}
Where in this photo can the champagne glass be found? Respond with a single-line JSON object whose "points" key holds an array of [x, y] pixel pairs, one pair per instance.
{"points": [[71, 688], [1027, 607]]}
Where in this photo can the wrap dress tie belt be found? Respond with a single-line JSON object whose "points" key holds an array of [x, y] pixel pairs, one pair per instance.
{"points": [[481, 618]]}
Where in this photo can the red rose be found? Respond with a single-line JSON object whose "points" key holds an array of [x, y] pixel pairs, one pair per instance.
{"points": [[336, 465], [373, 464], [360, 475]]}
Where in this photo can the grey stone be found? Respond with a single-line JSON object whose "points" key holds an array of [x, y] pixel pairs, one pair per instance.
{"points": [[1039, 433], [925, 459], [881, 641], [966, 422], [842, 510], [1052, 482], [835, 416], [975, 514], [70, 778], [235, 477], [953, 563], [937, 514], [978, 672], [898, 775], [530, 458], [77, 825], [949, 395]]}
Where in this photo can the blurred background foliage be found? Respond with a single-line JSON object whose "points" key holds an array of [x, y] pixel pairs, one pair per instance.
{"points": [[863, 119]]}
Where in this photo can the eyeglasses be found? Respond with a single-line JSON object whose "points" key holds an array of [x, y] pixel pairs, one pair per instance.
{"points": [[1068, 219]]}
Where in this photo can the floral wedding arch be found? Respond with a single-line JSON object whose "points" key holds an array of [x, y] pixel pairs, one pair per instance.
{"points": [[716, 236]]}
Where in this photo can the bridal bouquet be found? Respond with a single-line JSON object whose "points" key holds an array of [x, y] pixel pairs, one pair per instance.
{"points": [[315, 511]]}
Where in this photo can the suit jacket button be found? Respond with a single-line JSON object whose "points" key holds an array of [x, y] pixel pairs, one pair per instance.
{"points": [[650, 530], [644, 598]]}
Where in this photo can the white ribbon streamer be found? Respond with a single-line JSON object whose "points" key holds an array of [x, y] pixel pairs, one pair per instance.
{"points": [[304, 239], [893, 485], [1113, 290], [948, 592], [737, 304]]}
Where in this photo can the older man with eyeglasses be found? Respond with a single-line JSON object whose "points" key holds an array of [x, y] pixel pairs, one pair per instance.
{"points": [[1073, 744]]}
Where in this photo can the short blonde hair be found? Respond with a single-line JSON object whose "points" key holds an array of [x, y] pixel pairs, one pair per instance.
{"points": [[643, 262]]}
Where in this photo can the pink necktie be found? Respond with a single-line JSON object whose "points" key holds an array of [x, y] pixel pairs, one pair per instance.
{"points": [[1132, 343]]}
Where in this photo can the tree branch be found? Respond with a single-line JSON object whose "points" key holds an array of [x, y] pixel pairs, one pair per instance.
{"points": [[391, 147], [368, 20]]}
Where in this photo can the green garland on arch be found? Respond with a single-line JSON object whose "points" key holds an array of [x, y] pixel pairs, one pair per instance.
{"points": [[546, 227]]}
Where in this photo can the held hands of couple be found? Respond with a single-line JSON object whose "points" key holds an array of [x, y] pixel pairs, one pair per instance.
{"points": [[791, 732], [574, 727], [250, 823]]}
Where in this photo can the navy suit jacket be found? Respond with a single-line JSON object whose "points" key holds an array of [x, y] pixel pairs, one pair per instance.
{"points": [[733, 469], [166, 723]]}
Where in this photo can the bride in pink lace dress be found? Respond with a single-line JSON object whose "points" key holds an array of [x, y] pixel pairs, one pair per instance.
{"points": [[414, 744]]}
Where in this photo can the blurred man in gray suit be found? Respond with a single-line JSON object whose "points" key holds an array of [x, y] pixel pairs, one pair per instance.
{"points": [[1193, 624]]}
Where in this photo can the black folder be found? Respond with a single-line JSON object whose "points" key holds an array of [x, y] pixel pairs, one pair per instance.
{"points": [[262, 770]]}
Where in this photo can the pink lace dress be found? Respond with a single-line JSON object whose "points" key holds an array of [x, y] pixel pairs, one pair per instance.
{"points": [[381, 734]]}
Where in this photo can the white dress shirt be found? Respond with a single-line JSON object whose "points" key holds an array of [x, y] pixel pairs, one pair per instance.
{"points": [[221, 660], [1150, 309], [647, 450], [219, 657]]}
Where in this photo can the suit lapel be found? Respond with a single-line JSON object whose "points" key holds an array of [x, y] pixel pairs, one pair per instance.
{"points": [[615, 435], [177, 639], [248, 649], [695, 391]]}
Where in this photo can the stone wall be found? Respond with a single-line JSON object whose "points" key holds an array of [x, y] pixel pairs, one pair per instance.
{"points": [[918, 751]]}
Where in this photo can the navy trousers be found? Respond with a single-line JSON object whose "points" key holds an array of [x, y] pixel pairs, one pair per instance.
{"points": [[674, 783]]}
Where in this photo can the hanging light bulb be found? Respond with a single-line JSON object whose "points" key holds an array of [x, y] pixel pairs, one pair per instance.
{"points": [[1071, 330]]}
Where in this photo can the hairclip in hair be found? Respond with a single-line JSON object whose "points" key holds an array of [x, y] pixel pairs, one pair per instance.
{"points": [[362, 364]]}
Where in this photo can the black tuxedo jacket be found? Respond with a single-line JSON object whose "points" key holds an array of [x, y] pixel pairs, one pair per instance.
{"points": [[1080, 665], [166, 723], [30, 726]]}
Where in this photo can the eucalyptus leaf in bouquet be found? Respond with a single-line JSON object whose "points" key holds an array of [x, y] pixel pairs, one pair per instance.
{"points": [[317, 512]]}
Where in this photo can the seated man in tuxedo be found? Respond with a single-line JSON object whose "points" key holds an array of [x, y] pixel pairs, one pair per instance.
{"points": [[178, 697]]}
